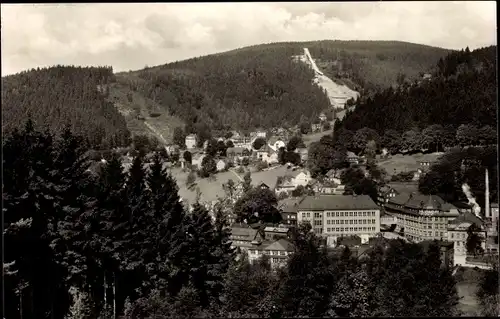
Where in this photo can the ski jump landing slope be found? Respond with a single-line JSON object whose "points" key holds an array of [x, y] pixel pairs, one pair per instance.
{"points": [[337, 93]]}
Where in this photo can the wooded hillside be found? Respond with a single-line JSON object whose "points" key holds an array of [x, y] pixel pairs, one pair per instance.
{"points": [[254, 87], [260, 86], [463, 91], [57, 96]]}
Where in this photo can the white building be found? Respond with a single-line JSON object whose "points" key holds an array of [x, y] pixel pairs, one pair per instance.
{"points": [[340, 215], [191, 141]]}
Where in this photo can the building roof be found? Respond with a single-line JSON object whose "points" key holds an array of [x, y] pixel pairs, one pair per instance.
{"points": [[243, 230], [289, 205], [466, 217], [280, 245], [276, 229], [191, 136], [494, 205], [336, 202], [417, 200], [351, 154]]}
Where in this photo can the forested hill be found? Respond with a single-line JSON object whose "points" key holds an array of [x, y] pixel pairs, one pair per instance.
{"points": [[62, 95], [261, 85], [257, 86], [463, 90]]}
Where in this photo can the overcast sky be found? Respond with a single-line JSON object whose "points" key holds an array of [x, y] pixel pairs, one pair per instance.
{"points": [[130, 36]]}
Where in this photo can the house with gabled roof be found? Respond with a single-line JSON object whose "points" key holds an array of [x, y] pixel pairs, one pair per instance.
{"points": [[457, 232], [245, 237], [278, 251]]}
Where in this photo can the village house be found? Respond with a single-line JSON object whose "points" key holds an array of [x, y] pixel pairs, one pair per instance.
{"points": [[352, 158], [270, 157], [385, 193], [275, 233], [245, 237], [333, 216], [284, 184], [191, 141], [263, 186], [288, 210], [197, 160], [275, 143], [292, 180], [236, 153], [327, 187], [457, 232], [421, 217], [333, 176], [221, 165], [278, 251], [242, 141]]}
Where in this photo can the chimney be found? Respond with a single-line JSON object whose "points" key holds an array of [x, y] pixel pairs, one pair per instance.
{"points": [[487, 196]]}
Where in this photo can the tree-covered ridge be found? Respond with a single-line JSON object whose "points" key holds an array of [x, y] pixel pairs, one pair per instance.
{"points": [[61, 95], [261, 86], [243, 91], [371, 65], [464, 91]]}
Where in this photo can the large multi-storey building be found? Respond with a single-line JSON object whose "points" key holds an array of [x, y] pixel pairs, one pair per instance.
{"points": [[421, 217], [457, 232], [340, 215]]}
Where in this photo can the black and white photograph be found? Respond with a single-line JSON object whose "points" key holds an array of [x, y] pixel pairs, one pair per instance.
{"points": [[249, 160]]}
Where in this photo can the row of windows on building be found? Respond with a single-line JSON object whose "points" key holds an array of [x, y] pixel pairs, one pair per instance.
{"points": [[423, 218], [350, 221], [462, 235], [426, 226], [348, 229], [425, 233], [339, 214], [266, 252]]}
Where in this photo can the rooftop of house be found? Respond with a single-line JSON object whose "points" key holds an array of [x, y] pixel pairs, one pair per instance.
{"points": [[289, 204], [466, 218], [244, 230], [351, 154], [276, 229], [280, 245], [190, 136], [494, 205], [337, 202], [416, 200]]}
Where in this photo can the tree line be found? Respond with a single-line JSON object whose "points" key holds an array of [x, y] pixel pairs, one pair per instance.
{"points": [[433, 138], [116, 244], [60, 95], [457, 95]]}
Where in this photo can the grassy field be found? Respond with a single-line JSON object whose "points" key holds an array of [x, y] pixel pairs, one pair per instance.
{"points": [[212, 189], [405, 163], [310, 138]]}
